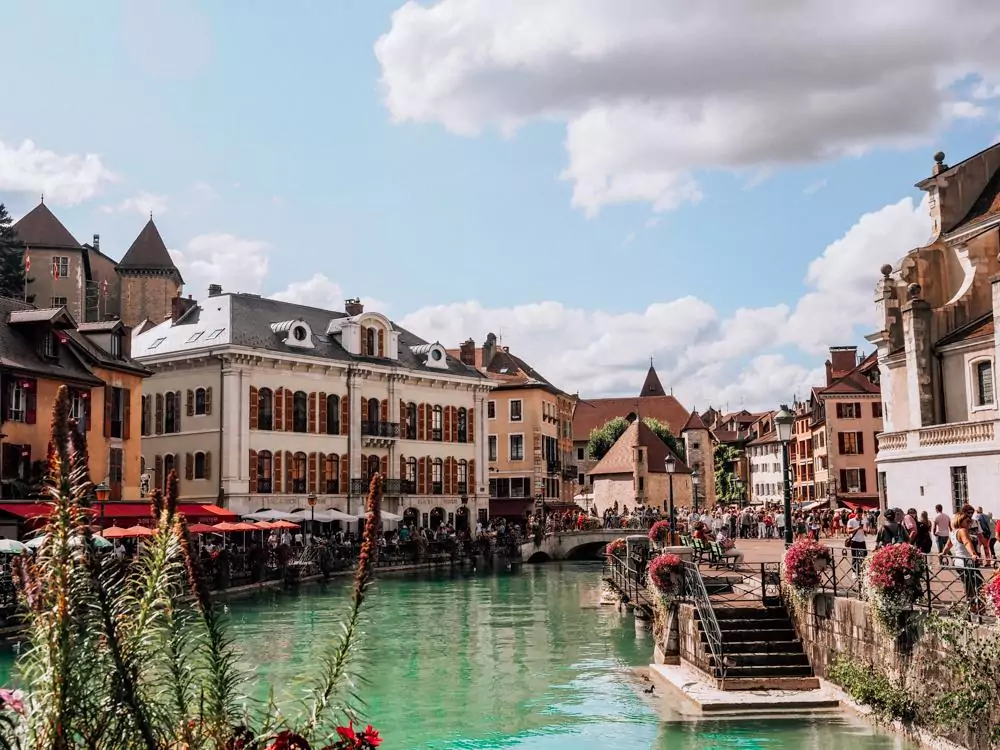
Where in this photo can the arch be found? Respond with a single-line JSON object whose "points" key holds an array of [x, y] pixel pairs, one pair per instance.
{"points": [[374, 412], [299, 461], [265, 465], [169, 464], [437, 423], [463, 426], [462, 519], [411, 421], [333, 414], [265, 409], [199, 465], [587, 551], [331, 474], [463, 477], [171, 412], [539, 557], [199, 401], [300, 411], [437, 518], [374, 467], [411, 517]]}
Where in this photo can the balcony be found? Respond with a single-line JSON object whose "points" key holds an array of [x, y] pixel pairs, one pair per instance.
{"points": [[390, 487], [379, 434], [437, 488], [436, 434], [553, 466], [955, 438]]}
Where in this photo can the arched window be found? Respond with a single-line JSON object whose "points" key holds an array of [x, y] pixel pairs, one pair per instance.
{"points": [[411, 475], [984, 382], [437, 424], [199, 465], [144, 426], [437, 477], [299, 472], [373, 468], [463, 477], [300, 412], [463, 425], [374, 413], [264, 464], [168, 466], [371, 342], [333, 415], [171, 412], [199, 401], [411, 423], [331, 473], [265, 410]]}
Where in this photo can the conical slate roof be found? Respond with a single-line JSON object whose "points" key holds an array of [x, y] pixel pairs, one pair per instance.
{"points": [[651, 386], [40, 228], [148, 252], [695, 422]]}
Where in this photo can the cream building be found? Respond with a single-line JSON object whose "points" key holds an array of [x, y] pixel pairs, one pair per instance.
{"points": [[764, 456], [257, 403], [937, 348]]}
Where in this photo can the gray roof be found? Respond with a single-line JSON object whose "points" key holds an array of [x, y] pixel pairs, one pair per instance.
{"points": [[40, 228], [102, 326], [43, 315], [148, 252]]}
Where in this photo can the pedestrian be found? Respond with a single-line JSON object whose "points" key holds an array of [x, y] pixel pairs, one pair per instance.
{"points": [[942, 528], [923, 540], [856, 541]]}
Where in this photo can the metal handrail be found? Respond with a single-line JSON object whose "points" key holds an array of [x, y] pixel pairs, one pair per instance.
{"points": [[695, 591]]}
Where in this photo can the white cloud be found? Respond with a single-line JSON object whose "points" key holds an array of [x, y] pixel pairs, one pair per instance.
{"points": [[236, 263], [964, 110], [143, 203], [317, 291], [654, 91], [652, 222], [64, 179], [204, 193], [815, 187]]}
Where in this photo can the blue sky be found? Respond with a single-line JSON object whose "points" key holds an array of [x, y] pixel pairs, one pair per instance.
{"points": [[271, 139]]}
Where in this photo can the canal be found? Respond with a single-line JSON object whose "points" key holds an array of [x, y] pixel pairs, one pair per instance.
{"points": [[526, 661]]}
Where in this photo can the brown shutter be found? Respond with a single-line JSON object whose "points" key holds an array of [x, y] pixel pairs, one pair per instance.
{"points": [[177, 404], [385, 411], [289, 410], [107, 411], [402, 467], [321, 473], [321, 416], [253, 471], [190, 403], [840, 443], [470, 426], [861, 443], [89, 394], [381, 342], [384, 467], [402, 418], [421, 476], [364, 467], [345, 416], [447, 425], [208, 402], [289, 471], [454, 476], [312, 412], [422, 422], [863, 480], [189, 466], [471, 479], [157, 471], [276, 475], [364, 410], [278, 410], [127, 412], [446, 476], [254, 408], [345, 473], [843, 480], [311, 486], [208, 465]]}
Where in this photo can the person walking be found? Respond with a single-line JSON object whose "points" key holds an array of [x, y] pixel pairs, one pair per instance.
{"points": [[942, 528]]}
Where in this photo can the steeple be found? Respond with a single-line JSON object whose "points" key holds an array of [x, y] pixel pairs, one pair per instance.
{"points": [[651, 386], [149, 253]]}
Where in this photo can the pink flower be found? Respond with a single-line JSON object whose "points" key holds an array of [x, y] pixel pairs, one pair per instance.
{"points": [[12, 700]]}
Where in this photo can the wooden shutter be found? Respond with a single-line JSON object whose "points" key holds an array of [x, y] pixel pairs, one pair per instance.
{"points": [[208, 402], [861, 443], [364, 468], [446, 436], [254, 408], [863, 483], [402, 467], [840, 443], [189, 466], [253, 471], [321, 473], [321, 416], [384, 408], [843, 480], [107, 411], [471, 479], [289, 410], [402, 418], [157, 472], [31, 403], [86, 409], [384, 467], [312, 413], [345, 473], [345, 416], [421, 476], [190, 403], [470, 426], [276, 475], [381, 342], [422, 422], [364, 410], [311, 486], [177, 405], [289, 471], [278, 410], [208, 465], [446, 476], [159, 414], [454, 476], [127, 413]]}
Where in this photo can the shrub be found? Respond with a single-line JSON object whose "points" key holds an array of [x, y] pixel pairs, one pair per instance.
{"points": [[870, 686]]}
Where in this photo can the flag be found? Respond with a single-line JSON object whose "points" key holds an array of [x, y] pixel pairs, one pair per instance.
{"points": [[104, 289], [55, 268], [27, 262]]}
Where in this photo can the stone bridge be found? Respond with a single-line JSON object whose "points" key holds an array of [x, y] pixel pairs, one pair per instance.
{"points": [[572, 545]]}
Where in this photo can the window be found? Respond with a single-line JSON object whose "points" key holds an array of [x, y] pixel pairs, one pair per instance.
{"points": [[959, 487], [491, 409], [171, 412], [515, 410], [493, 447], [374, 410], [853, 480], [579, 454], [298, 473], [157, 342], [300, 412], [199, 465], [118, 413], [215, 334], [116, 345], [437, 472], [642, 484], [168, 466], [78, 408], [195, 337], [463, 426], [877, 409], [265, 410], [331, 474], [333, 415], [60, 266], [849, 411], [984, 383], [371, 342], [265, 462], [437, 423], [411, 421], [463, 477], [514, 487], [116, 461], [58, 302], [199, 401], [411, 475], [581, 478], [851, 443], [517, 447], [48, 347]]}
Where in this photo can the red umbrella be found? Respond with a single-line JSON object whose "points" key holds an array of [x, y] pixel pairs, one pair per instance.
{"points": [[241, 526], [226, 527], [284, 525], [201, 528], [265, 525], [115, 532], [139, 531]]}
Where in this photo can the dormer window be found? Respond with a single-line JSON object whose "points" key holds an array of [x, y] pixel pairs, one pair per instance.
{"points": [[116, 345], [371, 342], [49, 346], [294, 333]]}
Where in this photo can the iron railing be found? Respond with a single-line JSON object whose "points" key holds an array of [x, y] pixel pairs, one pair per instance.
{"points": [[380, 429], [695, 593]]}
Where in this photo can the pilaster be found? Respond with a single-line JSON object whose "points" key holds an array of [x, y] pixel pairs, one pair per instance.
{"points": [[235, 426], [917, 315]]}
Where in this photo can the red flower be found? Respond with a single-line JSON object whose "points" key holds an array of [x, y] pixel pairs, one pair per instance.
{"points": [[659, 531], [347, 732], [662, 570], [288, 740], [371, 736], [800, 564]]}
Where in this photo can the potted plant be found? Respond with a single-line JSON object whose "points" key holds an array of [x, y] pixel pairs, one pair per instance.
{"points": [[616, 547], [893, 580], [659, 533], [666, 575], [803, 567]]}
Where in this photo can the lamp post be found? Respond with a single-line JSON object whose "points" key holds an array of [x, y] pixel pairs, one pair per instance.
{"points": [[311, 498], [102, 492], [741, 489], [695, 481], [671, 465], [783, 422]]}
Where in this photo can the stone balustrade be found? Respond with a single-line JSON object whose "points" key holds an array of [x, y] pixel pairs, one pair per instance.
{"points": [[957, 433], [892, 441]]}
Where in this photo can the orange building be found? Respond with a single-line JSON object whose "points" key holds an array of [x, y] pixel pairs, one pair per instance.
{"points": [[43, 349]]}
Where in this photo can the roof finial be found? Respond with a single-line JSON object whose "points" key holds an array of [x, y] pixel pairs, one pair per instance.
{"points": [[650, 361], [150, 214], [43, 199]]}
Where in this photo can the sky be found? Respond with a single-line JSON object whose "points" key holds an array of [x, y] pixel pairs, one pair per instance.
{"points": [[599, 182]]}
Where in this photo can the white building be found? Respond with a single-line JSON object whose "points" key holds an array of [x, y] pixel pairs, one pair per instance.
{"points": [[257, 403], [764, 457], [937, 348]]}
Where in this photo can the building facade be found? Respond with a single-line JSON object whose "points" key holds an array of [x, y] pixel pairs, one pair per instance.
{"points": [[699, 452], [765, 461], [529, 432], [257, 403], [149, 279], [937, 347]]}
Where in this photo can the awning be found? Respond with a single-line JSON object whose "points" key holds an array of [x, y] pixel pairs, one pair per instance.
{"points": [[510, 507], [206, 511], [866, 503], [815, 504], [27, 510]]}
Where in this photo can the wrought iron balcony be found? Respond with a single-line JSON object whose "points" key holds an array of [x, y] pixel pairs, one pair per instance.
{"points": [[380, 429], [463, 488], [390, 488], [436, 435]]}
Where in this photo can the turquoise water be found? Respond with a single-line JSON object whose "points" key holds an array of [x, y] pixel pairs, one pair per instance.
{"points": [[524, 661]]}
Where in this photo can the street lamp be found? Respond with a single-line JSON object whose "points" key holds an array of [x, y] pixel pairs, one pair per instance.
{"points": [[695, 481], [670, 463], [783, 422], [740, 489], [102, 492], [311, 498]]}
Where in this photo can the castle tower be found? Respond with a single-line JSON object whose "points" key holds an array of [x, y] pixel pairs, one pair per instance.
{"points": [[699, 449], [149, 278]]}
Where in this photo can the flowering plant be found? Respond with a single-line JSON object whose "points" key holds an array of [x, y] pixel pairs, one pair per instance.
{"points": [[893, 579], [803, 561], [664, 574], [659, 532], [616, 547], [991, 592]]}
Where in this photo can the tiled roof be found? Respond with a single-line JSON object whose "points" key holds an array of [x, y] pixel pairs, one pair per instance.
{"points": [[651, 385], [508, 370], [43, 315], [19, 352], [982, 326], [767, 437], [854, 382], [619, 459], [148, 252], [102, 326], [595, 412], [694, 422], [727, 436], [40, 228]]}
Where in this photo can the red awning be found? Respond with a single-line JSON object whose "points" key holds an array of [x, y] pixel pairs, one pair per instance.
{"points": [[125, 510], [206, 513], [867, 503], [27, 510]]}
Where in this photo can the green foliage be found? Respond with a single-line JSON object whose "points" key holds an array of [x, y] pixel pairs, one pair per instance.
{"points": [[605, 436], [726, 489], [12, 276], [867, 684]]}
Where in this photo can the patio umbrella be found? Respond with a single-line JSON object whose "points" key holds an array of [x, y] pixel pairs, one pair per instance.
{"points": [[201, 528], [265, 525], [115, 532], [386, 516], [269, 515], [139, 531], [241, 526], [11, 547], [284, 525], [98, 541], [225, 527]]}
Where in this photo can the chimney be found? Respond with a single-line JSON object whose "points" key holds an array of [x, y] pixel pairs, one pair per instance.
{"points": [[843, 359], [97, 242], [829, 373], [468, 353], [489, 348], [353, 306], [179, 306], [214, 290]]}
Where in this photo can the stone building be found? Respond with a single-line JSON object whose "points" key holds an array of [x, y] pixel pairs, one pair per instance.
{"points": [[257, 403], [937, 347], [149, 278], [529, 431], [699, 451], [765, 462]]}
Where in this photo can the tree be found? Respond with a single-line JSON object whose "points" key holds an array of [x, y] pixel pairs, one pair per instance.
{"points": [[603, 437], [726, 488], [12, 275]]}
